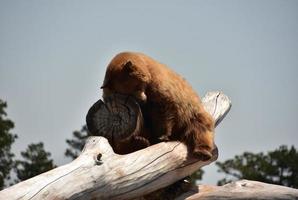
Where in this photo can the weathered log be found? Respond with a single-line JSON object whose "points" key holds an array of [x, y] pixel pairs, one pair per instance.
{"points": [[117, 118], [242, 189], [99, 173]]}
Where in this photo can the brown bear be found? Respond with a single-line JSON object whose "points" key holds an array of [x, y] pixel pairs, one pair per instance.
{"points": [[171, 108]]}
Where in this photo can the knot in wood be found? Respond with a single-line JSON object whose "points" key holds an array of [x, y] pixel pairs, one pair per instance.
{"points": [[98, 157]]}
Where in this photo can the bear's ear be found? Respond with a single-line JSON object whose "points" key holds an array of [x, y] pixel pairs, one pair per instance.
{"points": [[136, 72], [128, 67], [104, 86], [106, 82]]}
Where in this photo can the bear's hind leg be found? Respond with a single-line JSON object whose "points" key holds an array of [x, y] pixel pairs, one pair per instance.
{"points": [[200, 139]]}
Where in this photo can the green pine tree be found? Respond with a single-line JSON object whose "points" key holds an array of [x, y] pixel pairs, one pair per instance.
{"points": [[77, 143], [6, 140], [198, 175], [276, 167], [35, 161]]}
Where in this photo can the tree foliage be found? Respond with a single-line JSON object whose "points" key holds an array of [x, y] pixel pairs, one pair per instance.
{"points": [[198, 175], [76, 144], [6, 140], [35, 161], [276, 167]]}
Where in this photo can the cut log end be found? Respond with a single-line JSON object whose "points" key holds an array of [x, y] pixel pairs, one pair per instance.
{"points": [[116, 118]]}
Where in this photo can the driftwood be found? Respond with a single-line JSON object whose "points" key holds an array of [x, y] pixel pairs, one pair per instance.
{"points": [[242, 189], [99, 173]]}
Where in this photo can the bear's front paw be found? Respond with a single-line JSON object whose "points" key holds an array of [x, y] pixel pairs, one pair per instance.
{"points": [[203, 152], [141, 142], [163, 138]]}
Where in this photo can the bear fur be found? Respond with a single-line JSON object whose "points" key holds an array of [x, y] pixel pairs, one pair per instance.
{"points": [[171, 108]]}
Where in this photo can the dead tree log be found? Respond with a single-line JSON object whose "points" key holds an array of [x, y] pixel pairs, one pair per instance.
{"points": [[239, 190], [99, 173], [119, 119], [116, 119]]}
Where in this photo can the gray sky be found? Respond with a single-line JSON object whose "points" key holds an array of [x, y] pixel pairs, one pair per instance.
{"points": [[53, 55]]}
